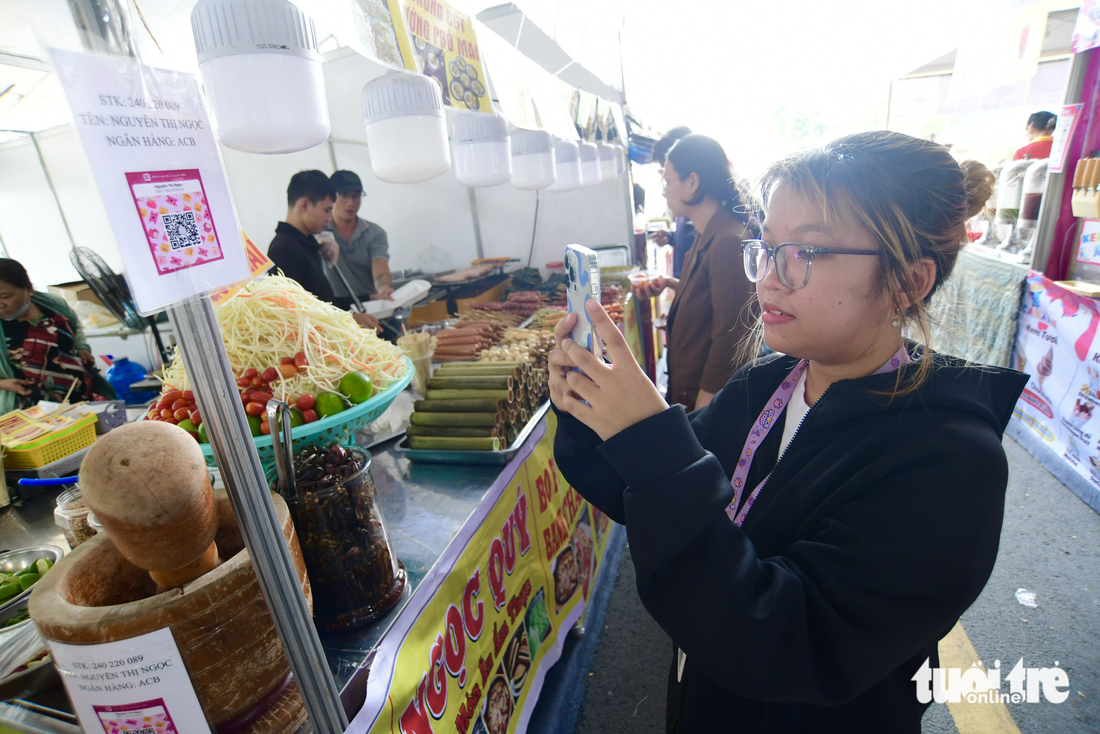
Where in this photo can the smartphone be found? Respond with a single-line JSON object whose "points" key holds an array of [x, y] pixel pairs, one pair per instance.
{"points": [[582, 278]]}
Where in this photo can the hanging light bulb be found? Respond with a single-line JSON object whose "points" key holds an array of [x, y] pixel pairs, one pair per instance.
{"points": [[567, 164], [250, 53], [590, 164], [406, 129], [481, 149], [609, 170], [532, 159]]}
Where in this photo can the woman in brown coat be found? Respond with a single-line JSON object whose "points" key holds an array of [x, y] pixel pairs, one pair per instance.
{"points": [[709, 316]]}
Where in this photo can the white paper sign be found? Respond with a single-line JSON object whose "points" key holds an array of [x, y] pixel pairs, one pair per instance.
{"points": [[152, 150], [1063, 134], [136, 686]]}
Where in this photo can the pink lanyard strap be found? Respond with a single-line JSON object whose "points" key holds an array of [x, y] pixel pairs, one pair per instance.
{"points": [[767, 420]]}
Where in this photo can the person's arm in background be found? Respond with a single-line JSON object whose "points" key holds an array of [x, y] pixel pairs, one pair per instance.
{"points": [[380, 263], [729, 294]]}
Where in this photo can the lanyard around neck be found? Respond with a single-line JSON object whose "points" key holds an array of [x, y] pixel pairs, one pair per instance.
{"points": [[767, 420]]}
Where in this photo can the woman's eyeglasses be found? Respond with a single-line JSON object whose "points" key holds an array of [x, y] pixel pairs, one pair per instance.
{"points": [[792, 261]]}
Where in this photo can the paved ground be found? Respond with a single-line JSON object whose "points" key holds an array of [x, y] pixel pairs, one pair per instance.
{"points": [[1050, 545]]}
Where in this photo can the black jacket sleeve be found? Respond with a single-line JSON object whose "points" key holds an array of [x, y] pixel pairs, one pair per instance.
{"points": [[868, 586]]}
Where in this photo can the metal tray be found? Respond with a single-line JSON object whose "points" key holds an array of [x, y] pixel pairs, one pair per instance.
{"points": [[20, 560], [492, 458]]}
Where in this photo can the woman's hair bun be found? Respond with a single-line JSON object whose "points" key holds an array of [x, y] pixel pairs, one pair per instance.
{"points": [[978, 183]]}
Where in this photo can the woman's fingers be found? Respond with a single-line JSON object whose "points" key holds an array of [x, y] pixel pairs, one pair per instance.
{"points": [[561, 331], [612, 338], [583, 359], [582, 386]]}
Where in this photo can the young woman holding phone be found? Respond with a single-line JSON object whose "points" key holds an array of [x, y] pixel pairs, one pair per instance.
{"points": [[809, 537]]}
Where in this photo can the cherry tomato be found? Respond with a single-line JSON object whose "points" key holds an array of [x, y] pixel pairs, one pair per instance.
{"points": [[182, 414], [256, 409], [166, 414], [177, 404], [309, 415], [271, 374], [172, 395], [288, 370], [251, 372], [244, 382], [304, 403], [257, 382], [196, 418], [261, 397], [300, 359], [189, 396], [286, 360], [246, 397], [265, 428]]}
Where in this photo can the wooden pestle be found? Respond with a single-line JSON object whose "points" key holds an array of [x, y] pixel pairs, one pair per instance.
{"points": [[148, 484]]}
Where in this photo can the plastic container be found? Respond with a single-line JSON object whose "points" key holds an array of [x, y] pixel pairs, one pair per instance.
{"points": [[354, 574], [71, 515], [1010, 191], [532, 159], [124, 373], [590, 164], [406, 129], [609, 169], [422, 370], [482, 150], [1034, 181], [250, 53]]}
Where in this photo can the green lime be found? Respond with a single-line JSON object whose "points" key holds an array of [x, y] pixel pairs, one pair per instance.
{"points": [[254, 423], [357, 386], [42, 565], [10, 589], [296, 418], [28, 581], [330, 403], [203, 438], [188, 426]]}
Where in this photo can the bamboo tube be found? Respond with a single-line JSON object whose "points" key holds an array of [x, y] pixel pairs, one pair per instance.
{"points": [[455, 431], [458, 406], [465, 369], [487, 364], [492, 382], [506, 395], [454, 419], [442, 443], [491, 367]]}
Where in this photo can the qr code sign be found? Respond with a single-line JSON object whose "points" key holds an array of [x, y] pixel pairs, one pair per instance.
{"points": [[182, 230]]}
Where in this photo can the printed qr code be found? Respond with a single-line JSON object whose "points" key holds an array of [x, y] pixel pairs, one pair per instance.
{"points": [[182, 230]]}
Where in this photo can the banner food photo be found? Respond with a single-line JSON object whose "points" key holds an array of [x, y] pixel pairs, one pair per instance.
{"points": [[445, 48], [1057, 346], [471, 651]]}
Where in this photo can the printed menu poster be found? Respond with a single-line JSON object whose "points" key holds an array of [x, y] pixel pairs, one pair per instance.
{"points": [[445, 48], [470, 652], [156, 164]]}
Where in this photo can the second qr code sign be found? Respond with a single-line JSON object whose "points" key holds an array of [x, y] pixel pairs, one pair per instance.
{"points": [[176, 217]]}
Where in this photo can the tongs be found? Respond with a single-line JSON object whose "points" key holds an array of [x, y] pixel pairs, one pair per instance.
{"points": [[282, 443]]}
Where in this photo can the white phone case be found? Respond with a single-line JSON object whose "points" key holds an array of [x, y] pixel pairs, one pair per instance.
{"points": [[582, 272]]}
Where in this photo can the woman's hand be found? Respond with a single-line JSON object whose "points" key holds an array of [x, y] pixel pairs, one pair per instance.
{"points": [[656, 286], [85, 356], [366, 321], [618, 394], [19, 387]]}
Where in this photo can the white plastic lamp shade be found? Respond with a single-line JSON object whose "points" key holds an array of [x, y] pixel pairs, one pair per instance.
{"points": [[609, 171], [481, 149], [251, 53], [532, 159], [567, 164], [406, 129], [620, 160], [590, 164]]}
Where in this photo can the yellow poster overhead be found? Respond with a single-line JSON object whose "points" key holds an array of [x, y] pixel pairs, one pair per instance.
{"points": [[444, 47]]}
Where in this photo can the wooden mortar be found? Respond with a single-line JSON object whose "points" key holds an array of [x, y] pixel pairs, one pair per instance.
{"points": [[220, 621]]}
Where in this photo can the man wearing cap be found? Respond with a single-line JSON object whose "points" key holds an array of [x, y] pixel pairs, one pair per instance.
{"points": [[364, 249]]}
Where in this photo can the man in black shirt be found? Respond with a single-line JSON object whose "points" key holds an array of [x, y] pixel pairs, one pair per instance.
{"points": [[294, 250]]}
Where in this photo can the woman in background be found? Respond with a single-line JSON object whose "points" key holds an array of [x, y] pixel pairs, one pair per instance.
{"points": [[1040, 136], [709, 318], [46, 356]]}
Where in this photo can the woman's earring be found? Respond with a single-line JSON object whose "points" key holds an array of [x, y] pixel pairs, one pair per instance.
{"points": [[897, 318]]}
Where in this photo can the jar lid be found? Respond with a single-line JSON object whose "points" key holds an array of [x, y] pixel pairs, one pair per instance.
{"points": [[588, 152], [401, 94], [478, 127], [230, 27], [532, 142], [565, 151]]}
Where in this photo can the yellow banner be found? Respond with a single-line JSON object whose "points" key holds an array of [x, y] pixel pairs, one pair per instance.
{"points": [[471, 650], [445, 48], [258, 264]]}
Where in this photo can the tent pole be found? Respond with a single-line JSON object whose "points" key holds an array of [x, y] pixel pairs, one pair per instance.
{"points": [[53, 189]]}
